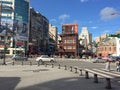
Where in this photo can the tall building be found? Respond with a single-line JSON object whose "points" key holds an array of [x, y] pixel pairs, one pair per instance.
{"points": [[85, 37], [39, 33], [68, 45], [53, 31], [14, 22], [53, 37]]}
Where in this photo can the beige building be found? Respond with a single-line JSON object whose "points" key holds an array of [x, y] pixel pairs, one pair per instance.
{"points": [[53, 32], [106, 47]]}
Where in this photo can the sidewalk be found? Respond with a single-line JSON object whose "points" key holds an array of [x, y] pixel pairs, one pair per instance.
{"points": [[45, 78]]}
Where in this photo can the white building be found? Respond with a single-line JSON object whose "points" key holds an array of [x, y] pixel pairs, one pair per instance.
{"points": [[118, 46], [85, 37]]}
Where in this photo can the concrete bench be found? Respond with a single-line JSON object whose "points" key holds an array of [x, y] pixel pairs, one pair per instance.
{"points": [[106, 76]]}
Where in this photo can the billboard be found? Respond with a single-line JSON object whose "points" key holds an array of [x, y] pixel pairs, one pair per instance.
{"points": [[21, 30]]}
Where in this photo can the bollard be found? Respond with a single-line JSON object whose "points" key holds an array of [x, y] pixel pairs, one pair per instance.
{"points": [[38, 63], [80, 72], [108, 83], [30, 63], [95, 78], [59, 66], [75, 69], [52, 65], [13, 63], [22, 63], [86, 75], [65, 67], [71, 68], [45, 65]]}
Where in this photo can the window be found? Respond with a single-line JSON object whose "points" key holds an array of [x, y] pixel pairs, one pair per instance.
{"points": [[69, 47]]}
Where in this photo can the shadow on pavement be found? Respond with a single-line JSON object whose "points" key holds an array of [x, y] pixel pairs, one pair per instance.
{"points": [[73, 83], [8, 83]]}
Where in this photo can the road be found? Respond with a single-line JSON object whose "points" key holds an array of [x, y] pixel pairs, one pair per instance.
{"points": [[81, 63]]}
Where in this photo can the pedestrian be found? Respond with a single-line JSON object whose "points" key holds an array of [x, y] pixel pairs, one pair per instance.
{"points": [[117, 65], [107, 67]]}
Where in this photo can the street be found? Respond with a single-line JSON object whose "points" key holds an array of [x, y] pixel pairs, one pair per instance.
{"points": [[81, 63], [31, 76]]}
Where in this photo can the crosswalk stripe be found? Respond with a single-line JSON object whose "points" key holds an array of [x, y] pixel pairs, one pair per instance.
{"points": [[113, 74]]}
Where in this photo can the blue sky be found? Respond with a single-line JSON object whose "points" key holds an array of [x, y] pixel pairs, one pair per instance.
{"points": [[100, 16]]}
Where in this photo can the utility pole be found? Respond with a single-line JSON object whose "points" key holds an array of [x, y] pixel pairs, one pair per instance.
{"points": [[0, 12]]}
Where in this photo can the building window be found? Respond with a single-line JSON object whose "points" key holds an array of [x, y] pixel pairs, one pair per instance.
{"points": [[110, 48], [70, 41], [69, 47], [74, 47]]}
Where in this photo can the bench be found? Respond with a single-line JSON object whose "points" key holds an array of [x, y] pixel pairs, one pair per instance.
{"points": [[96, 73]]}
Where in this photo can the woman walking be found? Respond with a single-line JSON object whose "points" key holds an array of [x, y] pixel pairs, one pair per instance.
{"points": [[107, 67]]}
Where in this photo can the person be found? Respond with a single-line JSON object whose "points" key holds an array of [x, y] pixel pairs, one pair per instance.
{"points": [[24, 30], [107, 67], [117, 65]]}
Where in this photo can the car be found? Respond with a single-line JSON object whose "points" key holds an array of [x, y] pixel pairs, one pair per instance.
{"points": [[98, 60], [45, 58], [19, 57], [110, 58]]}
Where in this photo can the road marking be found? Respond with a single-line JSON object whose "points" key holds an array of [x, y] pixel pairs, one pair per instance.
{"points": [[111, 73]]}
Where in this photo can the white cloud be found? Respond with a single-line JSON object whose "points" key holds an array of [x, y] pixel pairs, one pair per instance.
{"points": [[94, 27], [53, 20], [106, 31], [83, 1], [90, 21], [64, 17], [108, 13]]}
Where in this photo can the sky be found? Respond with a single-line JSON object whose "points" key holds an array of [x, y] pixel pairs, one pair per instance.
{"points": [[99, 16]]}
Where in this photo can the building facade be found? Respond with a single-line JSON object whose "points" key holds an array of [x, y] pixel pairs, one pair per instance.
{"points": [[14, 25], [53, 37], [107, 47], [39, 33], [85, 37], [68, 46]]}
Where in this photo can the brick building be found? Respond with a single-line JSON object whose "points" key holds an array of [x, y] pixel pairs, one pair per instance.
{"points": [[68, 45], [106, 47]]}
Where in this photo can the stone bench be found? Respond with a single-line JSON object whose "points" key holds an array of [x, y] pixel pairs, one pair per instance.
{"points": [[96, 74]]}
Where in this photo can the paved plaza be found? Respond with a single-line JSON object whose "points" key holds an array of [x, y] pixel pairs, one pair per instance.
{"points": [[35, 77]]}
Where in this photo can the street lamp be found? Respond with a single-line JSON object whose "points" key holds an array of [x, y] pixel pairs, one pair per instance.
{"points": [[5, 42]]}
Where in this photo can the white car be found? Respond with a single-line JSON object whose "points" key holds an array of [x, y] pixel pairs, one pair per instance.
{"points": [[44, 58], [98, 60]]}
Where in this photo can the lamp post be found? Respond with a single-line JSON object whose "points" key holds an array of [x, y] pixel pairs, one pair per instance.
{"points": [[5, 47]]}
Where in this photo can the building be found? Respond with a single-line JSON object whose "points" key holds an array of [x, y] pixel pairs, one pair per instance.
{"points": [[85, 41], [107, 47], [39, 33], [68, 46], [85, 37], [53, 37], [14, 26], [98, 39], [53, 31]]}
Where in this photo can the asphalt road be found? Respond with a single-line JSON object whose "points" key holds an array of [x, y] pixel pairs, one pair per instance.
{"points": [[81, 63]]}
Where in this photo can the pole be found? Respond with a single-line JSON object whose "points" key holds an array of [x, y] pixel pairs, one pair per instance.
{"points": [[5, 39]]}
